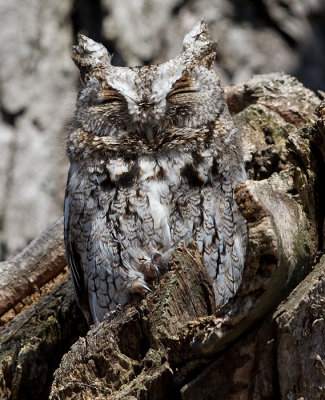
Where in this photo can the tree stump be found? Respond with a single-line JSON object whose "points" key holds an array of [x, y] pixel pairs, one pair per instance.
{"points": [[173, 343]]}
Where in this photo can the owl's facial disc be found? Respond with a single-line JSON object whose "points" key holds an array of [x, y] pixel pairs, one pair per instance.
{"points": [[149, 103]]}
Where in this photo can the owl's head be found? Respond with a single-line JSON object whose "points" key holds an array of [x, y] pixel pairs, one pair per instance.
{"points": [[152, 107]]}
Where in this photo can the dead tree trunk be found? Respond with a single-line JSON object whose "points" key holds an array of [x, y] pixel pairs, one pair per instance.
{"points": [[174, 344]]}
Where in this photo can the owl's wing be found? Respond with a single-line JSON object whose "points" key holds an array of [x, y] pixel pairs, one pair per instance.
{"points": [[220, 233], [222, 237], [73, 257], [98, 269]]}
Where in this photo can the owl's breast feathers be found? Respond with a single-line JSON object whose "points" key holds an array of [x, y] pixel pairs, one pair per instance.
{"points": [[125, 217]]}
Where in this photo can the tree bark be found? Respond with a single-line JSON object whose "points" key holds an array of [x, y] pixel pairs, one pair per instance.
{"points": [[32, 344], [174, 343], [42, 260]]}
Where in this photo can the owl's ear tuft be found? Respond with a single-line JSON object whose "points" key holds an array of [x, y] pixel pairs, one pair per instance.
{"points": [[89, 55], [197, 45]]}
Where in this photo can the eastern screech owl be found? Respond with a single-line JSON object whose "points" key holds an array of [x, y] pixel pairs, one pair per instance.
{"points": [[154, 161]]}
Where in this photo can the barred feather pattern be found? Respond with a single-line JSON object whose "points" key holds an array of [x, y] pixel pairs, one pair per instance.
{"points": [[155, 158]]}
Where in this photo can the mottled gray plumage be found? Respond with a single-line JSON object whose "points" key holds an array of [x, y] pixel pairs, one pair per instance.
{"points": [[154, 161]]}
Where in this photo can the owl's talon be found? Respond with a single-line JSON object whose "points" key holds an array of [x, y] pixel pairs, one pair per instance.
{"points": [[156, 259], [157, 273], [140, 288]]}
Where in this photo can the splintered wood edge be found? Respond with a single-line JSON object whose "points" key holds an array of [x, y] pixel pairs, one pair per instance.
{"points": [[41, 261]]}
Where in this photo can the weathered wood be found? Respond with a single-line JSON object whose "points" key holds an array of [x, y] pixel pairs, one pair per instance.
{"points": [[39, 262], [300, 339], [282, 358], [32, 344]]}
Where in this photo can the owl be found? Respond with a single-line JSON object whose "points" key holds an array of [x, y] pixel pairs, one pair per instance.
{"points": [[154, 160]]}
